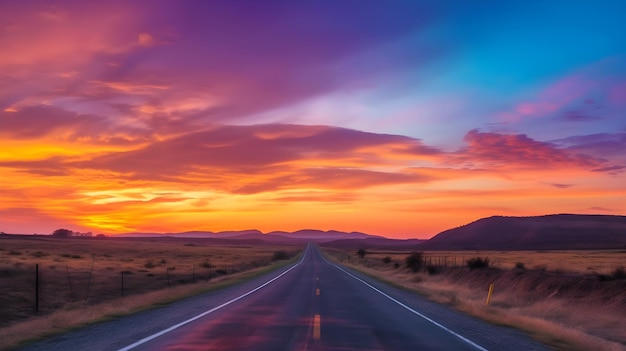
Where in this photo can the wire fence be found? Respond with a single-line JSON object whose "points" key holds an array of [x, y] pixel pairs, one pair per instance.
{"points": [[31, 289]]}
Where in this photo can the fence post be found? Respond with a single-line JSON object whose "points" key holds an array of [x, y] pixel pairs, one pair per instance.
{"points": [[122, 274], [194, 273], [89, 281], [69, 280], [37, 288]]}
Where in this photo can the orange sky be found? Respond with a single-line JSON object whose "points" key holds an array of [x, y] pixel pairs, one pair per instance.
{"points": [[119, 118]]}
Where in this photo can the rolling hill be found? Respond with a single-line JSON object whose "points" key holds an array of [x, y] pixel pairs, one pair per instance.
{"points": [[304, 235], [550, 232]]}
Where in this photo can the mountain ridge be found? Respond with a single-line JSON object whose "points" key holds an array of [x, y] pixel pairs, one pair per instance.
{"points": [[547, 232]]}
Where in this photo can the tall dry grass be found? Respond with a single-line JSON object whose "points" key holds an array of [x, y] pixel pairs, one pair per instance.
{"points": [[80, 313], [567, 310], [81, 279]]}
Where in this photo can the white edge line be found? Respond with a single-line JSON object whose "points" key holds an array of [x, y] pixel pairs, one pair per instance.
{"points": [[468, 341], [176, 326]]}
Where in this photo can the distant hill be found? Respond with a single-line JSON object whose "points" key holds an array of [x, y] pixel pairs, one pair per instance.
{"points": [[550, 232], [376, 243], [307, 235], [192, 234], [323, 236]]}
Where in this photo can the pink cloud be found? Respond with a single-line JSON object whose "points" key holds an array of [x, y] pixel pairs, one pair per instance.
{"points": [[511, 150]]}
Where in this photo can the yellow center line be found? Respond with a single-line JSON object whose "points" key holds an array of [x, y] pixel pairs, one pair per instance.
{"points": [[316, 327]]}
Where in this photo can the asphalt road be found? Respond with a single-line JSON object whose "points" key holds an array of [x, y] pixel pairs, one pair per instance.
{"points": [[311, 305]]}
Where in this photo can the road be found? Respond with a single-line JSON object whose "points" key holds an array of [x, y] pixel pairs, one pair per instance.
{"points": [[311, 305]]}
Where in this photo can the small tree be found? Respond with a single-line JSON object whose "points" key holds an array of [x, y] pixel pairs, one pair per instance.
{"points": [[62, 233], [361, 253], [415, 261]]}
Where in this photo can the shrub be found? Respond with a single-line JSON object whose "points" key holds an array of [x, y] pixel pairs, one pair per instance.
{"points": [[387, 260], [14, 252], [619, 273], [415, 261], [221, 271], [432, 270], [149, 264], [519, 265], [206, 264], [396, 265], [361, 253], [39, 254], [76, 256], [280, 255], [478, 262]]}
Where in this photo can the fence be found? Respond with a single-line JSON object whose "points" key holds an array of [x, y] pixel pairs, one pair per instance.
{"points": [[30, 289]]}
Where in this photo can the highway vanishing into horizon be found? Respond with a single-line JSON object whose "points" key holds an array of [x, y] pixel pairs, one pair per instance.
{"points": [[312, 304]]}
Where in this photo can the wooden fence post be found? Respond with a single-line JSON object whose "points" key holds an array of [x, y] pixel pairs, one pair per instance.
{"points": [[37, 288]]}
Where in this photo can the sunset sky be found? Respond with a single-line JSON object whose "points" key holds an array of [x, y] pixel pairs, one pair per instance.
{"points": [[392, 118]]}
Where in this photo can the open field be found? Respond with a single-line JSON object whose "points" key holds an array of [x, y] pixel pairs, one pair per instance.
{"points": [[555, 297], [570, 261], [77, 273]]}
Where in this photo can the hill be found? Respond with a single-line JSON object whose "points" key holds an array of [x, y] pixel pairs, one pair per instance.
{"points": [[304, 235], [550, 232], [376, 243]]}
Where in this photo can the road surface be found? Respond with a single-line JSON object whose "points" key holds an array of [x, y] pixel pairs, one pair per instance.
{"points": [[310, 305]]}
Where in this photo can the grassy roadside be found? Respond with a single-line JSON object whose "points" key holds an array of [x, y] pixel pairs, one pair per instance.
{"points": [[79, 315], [562, 330]]}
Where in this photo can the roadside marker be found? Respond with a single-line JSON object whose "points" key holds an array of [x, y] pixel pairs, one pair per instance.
{"points": [[489, 294], [317, 292]]}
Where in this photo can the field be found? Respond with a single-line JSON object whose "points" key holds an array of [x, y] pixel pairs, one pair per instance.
{"points": [[571, 300], [102, 275]]}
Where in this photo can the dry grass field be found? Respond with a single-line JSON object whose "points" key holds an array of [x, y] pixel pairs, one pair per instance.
{"points": [[81, 279], [568, 299]]}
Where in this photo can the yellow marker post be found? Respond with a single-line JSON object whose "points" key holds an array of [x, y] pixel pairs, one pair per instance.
{"points": [[316, 327], [489, 294]]}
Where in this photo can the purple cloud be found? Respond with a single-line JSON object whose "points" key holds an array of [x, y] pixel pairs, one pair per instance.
{"points": [[518, 149]]}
